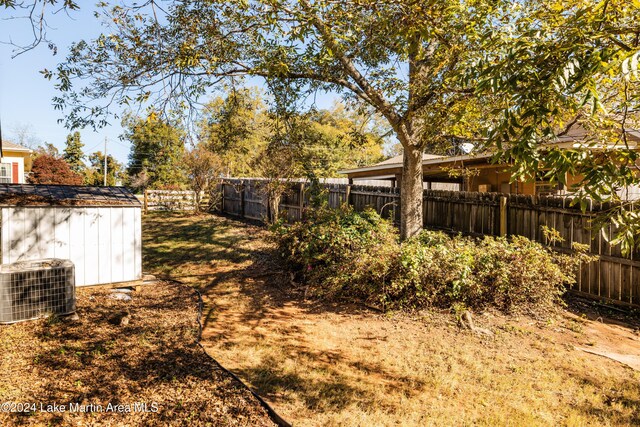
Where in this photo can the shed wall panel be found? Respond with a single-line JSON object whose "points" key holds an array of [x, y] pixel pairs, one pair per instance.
{"points": [[6, 224], [137, 226], [30, 234], [117, 245], [46, 233], [130, 254], [77, 244], [91, 245], [103, 243], [62, 233]]}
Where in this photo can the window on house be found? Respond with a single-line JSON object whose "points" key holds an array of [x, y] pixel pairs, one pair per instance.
{"points": [[5, 173], [544, 187]]}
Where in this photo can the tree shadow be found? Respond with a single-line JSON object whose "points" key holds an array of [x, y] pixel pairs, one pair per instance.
{"points": [[592, 309], [267, 292], [266, 296], [154, 357], [170, 240], [611, 398]]}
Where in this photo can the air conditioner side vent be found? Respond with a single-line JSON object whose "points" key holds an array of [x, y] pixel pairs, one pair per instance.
{"points": [[33, 289]]}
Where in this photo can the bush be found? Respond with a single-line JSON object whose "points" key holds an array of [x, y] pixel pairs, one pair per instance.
{"points": [[339, 250], [345, 253]]}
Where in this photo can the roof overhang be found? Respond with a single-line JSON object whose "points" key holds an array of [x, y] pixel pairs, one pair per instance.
{"points": [[426, 162], [16, 150], [563, 142], [377, 177]]}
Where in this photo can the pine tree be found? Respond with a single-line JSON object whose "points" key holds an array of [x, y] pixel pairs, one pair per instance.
{"points": [[73, 154]]}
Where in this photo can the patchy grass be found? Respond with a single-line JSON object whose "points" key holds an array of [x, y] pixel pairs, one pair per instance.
{"points": [[322, 363], [97, 360]]}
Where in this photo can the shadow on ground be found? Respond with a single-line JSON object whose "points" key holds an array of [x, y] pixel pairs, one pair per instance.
{"points": [[101, 360], [324, 362]]}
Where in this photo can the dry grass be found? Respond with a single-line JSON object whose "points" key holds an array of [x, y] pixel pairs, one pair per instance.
{"points": [[97, 361], [339, 364]]}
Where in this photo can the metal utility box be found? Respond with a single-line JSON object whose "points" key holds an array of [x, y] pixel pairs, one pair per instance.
{"points": [[32, 289]]}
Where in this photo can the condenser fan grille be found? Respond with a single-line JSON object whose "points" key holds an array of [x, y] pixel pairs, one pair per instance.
{"points": [[34, 289]]}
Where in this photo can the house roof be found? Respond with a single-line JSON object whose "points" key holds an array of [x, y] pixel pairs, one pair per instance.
{"points": [[393, 162], [65, 195], [427, 159], [398, 159], [573, 139], [10, 146]]}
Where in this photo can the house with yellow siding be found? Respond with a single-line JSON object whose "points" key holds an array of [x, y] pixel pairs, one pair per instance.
{"points": [[15, 163]]}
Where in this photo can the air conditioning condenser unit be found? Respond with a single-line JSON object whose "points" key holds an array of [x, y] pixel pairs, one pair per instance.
{"points": [[37, 288]]}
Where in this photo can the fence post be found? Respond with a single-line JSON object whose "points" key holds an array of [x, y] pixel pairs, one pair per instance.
{"points": [[398, 204], [301, 202], [242, 199], [222, 196], [347, 195], [503, 216], [146, 201]]}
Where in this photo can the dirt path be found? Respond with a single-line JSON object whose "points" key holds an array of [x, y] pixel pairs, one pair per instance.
{"points": [[338, 364], [610, 338]]}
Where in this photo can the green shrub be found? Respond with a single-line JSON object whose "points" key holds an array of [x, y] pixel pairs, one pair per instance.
{"points": [[339, 249], [346, 253]]}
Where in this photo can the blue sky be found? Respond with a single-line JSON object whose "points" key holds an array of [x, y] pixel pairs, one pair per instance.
{"points": [[25, 96]]}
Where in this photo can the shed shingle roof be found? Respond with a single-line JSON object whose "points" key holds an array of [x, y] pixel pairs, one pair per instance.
{"points": [[65, 195]]}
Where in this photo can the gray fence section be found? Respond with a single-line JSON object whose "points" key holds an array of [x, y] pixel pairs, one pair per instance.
{"points": [[612, 277]]}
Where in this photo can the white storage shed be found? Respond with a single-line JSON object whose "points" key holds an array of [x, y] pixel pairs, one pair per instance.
{"points": [[97, 228]]}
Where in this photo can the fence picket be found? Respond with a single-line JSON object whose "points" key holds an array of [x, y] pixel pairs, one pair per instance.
{"points": [[612, 277]]}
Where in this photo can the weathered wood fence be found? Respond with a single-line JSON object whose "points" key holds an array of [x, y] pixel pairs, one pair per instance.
{"points": [[168, 200], [612, 277]]}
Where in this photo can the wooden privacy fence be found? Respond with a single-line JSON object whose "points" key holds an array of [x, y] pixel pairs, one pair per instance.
{"points": [[612, 277]]}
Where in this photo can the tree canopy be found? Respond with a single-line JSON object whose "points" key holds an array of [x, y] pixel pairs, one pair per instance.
{"points": [[73, 154], [203, 168], [47, 169], [322, 142], [95, 173], [235, 127], [241, 129], [507, 74], [569, 67], [403, 59], [36, 12], [157, 150]]}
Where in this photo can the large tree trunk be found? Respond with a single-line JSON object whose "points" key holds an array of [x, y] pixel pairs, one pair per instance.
{"points": [[411, 193]]}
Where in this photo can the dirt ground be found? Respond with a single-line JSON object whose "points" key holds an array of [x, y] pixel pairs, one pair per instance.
{"points": [[149, 358], [335, 363]]}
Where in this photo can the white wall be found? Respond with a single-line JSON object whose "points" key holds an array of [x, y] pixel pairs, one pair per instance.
{"points": [[104, 243]]}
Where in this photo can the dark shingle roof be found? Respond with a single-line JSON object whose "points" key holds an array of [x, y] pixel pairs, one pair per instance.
{"points": [[65, 195]]}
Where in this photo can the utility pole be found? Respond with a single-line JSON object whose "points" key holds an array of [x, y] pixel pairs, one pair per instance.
{"points": [[105, 161]]}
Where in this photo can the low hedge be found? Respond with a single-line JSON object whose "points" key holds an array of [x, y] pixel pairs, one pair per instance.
{"points": [[340, 252]]}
